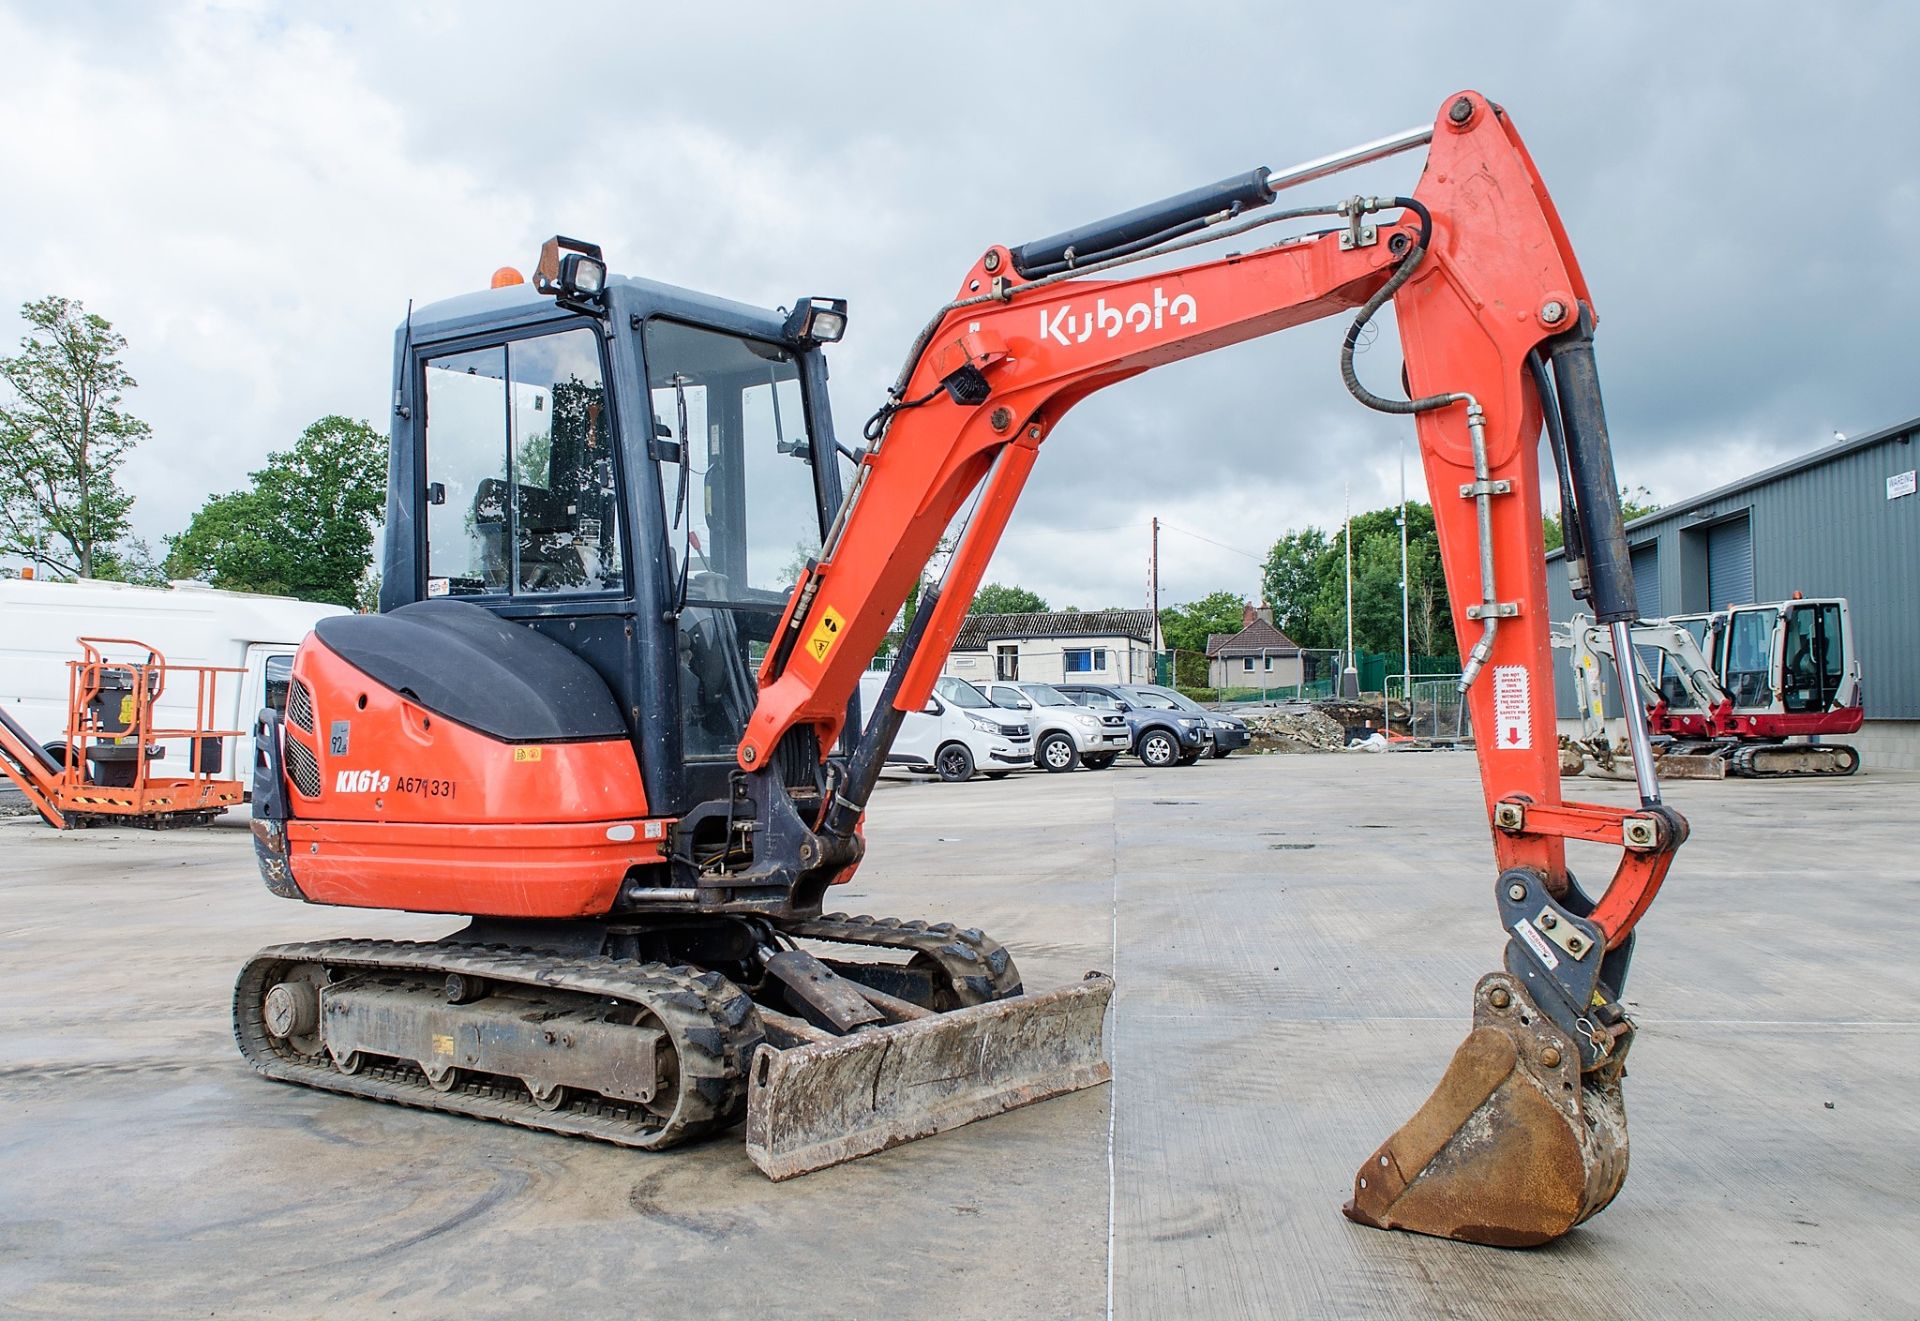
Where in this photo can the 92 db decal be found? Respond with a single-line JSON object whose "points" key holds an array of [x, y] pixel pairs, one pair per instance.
{"points": [[1512, 706]]}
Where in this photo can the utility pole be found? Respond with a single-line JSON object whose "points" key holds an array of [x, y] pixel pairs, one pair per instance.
{"points": [[1154, 640], [1406, 630], [1349, 687]]}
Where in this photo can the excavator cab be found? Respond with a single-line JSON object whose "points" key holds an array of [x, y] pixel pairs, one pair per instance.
{"points": [[639, 479], [602, 495]]}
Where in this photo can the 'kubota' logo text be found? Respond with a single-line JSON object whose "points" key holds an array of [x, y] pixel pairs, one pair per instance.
{"points": [[361, 782], [1066, 326]]}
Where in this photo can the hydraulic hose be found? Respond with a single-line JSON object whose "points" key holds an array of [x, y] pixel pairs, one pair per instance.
{"points": [[1476, 430]]}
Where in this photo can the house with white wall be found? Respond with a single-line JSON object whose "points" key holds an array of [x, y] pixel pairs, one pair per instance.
{"points": [[1055, 646], [1258, 656]]}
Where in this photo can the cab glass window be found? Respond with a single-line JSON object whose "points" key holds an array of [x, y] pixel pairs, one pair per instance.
{"points": [[278, 673], [1812, 665], [1749, 646], [737, 473], [521, 492]]}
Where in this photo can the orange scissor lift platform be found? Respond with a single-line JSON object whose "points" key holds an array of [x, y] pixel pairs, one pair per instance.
{"points": [[114, 737]]}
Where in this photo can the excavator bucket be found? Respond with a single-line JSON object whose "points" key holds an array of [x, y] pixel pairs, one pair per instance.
{"points": [[823, 1102], [1515, 1146]]}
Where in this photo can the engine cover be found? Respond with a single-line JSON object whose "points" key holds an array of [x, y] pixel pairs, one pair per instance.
{"points": [[396, 799]]}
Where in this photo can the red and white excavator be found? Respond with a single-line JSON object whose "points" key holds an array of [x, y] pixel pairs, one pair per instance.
{"points": [[599, 715], [1752, 691]]}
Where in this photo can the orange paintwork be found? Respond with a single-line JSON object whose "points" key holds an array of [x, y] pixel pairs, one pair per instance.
{"points": [[1468, 319], [528, 870], [426, 814]]}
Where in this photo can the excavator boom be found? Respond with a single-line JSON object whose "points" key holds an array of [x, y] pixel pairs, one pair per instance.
{"points": [[1496, 322]]}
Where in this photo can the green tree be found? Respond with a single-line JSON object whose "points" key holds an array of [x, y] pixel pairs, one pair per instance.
{"points": [[1185, 627], [1305, 578], [64, 436], [1290, 580], [305, 526], [996, 599], [1635, 503]]}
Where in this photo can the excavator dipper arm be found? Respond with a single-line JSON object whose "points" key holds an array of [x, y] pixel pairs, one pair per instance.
{"points": [[1525, 1136]]}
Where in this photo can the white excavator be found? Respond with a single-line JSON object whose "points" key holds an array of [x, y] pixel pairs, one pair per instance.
{"points": [[1751, 691]]}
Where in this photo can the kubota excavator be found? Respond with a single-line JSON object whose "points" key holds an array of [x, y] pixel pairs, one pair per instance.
{"points": [[608, 710]]}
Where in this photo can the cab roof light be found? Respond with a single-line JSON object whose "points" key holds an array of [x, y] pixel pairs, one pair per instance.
{"points": [[818, 320], [574, 272]]}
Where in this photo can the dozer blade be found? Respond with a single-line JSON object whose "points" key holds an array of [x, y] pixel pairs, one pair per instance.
{"points": [[819, 1104], [1690, 766], [1514, 1148]]}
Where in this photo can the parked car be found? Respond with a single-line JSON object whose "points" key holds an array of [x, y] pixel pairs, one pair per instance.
{"points": [[1230, 733], [1162, 735], [957, 733], [1065, 733]]}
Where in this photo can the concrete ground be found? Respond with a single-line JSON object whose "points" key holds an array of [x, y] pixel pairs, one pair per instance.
{"points": [[1295, 940]]}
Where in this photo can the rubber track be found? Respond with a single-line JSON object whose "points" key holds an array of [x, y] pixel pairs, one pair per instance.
{"points": [[711, 1022], [1749, 761], [979, 968]]}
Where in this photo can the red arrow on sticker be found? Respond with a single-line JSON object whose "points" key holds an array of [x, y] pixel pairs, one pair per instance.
{"points": [[1513, 734]]}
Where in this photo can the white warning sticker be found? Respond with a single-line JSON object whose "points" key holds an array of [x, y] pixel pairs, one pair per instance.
{"points": [[1512, 706], [1536, 941]]}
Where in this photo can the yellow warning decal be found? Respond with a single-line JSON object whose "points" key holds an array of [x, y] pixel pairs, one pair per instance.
{"points": [[526, 754], [825, 633], [126, 709], [442, 1043]]}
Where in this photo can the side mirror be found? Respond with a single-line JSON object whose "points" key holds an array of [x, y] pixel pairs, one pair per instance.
{"points": [[1024, 704], [932, 708]]}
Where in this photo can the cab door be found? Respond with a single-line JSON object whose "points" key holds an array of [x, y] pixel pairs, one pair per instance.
{"points": [[1750, 667], [1814, 660]]}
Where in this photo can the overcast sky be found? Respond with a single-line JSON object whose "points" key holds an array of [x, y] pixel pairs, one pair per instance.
{"points": [[252, 194]]}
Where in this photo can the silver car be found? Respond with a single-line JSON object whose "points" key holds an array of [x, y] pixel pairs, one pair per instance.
{"points": [[1065, 734]]}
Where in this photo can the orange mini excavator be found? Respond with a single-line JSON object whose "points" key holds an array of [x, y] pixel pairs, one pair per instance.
{"points": [[609, 709]]}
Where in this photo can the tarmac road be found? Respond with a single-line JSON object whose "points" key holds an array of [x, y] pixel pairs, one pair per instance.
{"points": [[1295, 939]]}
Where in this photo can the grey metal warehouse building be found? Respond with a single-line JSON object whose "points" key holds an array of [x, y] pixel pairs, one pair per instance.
{"points": [[1843, 521]]}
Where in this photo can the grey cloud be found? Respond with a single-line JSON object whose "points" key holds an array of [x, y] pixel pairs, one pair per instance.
{"points": [[1736, 180]]}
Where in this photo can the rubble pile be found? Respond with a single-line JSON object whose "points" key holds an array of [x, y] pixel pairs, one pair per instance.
{"points": [[1295, 731]]}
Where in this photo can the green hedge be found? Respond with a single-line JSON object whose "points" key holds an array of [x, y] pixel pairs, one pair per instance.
{"points": [[1202, 695]]}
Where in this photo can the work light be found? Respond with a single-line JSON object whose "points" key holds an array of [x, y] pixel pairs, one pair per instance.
{"points": [[821, 320]]}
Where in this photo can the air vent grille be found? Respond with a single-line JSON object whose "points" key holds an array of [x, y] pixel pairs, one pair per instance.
{"points": [[302, 767], [300, 706]]}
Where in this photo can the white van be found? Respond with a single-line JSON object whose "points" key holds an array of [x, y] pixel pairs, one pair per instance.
{"points": [[187, 623], [957, 733]]}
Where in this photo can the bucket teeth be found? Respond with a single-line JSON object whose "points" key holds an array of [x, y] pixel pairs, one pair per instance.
{"points": [[1515, 1146]]}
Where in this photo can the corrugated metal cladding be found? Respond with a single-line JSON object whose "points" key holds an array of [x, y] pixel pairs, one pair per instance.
{"points": [[1822, 525], [1645, 561], [1730, 563]]}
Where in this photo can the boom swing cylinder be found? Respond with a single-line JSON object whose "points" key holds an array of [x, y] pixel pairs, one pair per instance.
{"points": [[1525, 1136]]}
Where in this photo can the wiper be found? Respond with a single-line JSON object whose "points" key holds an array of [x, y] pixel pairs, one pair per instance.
{"points": [[680, 517]]}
